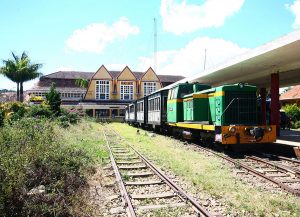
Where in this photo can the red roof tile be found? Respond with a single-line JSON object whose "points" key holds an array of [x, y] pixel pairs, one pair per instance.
{"points": [[293, 93]]}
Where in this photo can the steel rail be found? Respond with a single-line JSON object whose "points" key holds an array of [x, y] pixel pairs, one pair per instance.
{"points": [[251, 170], [122, 187], [288, 159], [277, 166], [169, 182]]}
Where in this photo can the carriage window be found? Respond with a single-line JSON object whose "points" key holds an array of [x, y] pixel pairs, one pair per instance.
{"points": [[174, 94], [131, 109], [169, 94]]}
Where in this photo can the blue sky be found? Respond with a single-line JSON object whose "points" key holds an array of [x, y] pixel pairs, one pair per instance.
{"points": [[83, 35]]}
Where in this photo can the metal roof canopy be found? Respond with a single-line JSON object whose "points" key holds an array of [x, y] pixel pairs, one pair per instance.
{"points": [[255, 66]]}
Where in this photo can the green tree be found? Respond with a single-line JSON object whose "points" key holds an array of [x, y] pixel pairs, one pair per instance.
{"points": [[19, 70], [54, 100], [80, 82]]}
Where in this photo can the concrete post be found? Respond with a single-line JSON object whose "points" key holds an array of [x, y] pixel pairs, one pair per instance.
{"points": [[263, 93], [275, 113]]}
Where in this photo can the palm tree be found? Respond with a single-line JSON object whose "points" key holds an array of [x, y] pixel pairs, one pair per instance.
{"points": [[80, 82], [20, 70]]}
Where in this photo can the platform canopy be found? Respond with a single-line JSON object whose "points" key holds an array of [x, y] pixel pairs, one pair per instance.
{"points": [[255, 66]]}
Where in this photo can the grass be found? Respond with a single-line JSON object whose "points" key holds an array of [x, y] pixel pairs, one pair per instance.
{"points": [[87, 136], [210, 175]]}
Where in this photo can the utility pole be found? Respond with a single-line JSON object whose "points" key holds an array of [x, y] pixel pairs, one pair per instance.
{"points": [[155, 46], [204, 58]]}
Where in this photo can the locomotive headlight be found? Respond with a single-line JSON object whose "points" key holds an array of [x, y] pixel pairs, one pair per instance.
{"points": [[232, 129], [269, 129]]}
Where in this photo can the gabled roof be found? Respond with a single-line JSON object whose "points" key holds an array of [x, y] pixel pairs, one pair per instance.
{"points": [[293, 93]]}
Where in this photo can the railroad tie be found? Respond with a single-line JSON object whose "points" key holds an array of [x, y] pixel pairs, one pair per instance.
{"points": [[152, 196], [132, 167], [129, 162], [150, 182], [144, 174], [162, 206]]}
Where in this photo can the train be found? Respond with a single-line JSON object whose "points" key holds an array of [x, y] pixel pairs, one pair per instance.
{"points": [[227, 114]]}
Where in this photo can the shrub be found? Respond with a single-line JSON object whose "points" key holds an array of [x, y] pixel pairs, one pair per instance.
{"points": [[54, 100], [67, 117], [13, 111], [39, 111], [1, 117], [36, 99], [38, 176], [293, 112]]}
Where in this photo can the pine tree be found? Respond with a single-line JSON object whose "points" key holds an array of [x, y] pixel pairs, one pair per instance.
{"points": [[54, 100]]}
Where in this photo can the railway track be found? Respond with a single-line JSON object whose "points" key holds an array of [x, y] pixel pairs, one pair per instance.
{"points": [[286, 177], [144, 188]]}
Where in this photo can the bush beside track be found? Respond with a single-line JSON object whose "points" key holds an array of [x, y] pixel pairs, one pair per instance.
{"points": [[45, 161]]}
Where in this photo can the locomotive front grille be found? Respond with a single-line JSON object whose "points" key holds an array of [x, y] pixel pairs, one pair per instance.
{"points": [[240, 108]]}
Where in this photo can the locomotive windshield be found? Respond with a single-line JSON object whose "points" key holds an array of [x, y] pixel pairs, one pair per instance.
{"points": [[240, 108]]}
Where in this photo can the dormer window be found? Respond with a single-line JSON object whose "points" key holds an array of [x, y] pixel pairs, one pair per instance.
{"points": [[149, 87], [126, 90], [102, 89]]}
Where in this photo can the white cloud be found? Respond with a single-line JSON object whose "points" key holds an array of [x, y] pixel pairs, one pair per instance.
{"points": [[95, 37], [189, 60], [180, 18], [295, 8]]}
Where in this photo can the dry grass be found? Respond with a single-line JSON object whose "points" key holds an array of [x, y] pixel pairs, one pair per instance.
{"points": [[210, 175]]}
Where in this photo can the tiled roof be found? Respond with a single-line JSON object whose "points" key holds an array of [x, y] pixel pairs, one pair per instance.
{"points": [[70, 75], [293, 93], [169, 78], [88, 75]]}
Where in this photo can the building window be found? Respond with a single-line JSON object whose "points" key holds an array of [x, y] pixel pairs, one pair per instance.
{"points": [[126, 90], [149, 87], [102, 89]]}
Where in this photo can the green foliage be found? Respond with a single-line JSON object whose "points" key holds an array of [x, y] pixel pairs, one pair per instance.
{"points": [[1, 118], [80, 82], [13, 111], [68, 117], [54, 100], [19, 70], [39, 111], [31, 156], [293, 112]]}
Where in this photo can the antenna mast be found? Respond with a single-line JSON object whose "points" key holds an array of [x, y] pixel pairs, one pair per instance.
{"points": [[155, 46], [204, 58]]}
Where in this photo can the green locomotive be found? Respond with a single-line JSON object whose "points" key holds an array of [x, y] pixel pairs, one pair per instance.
{"points": [[226, 114]]}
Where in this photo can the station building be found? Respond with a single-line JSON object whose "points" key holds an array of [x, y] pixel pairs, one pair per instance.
{"points": [[108, 92]]}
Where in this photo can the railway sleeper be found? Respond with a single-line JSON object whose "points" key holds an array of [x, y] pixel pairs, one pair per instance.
{"points": [[148, 208], [129, 162], [152, 196], [139, 174], [150, 182], [132, 167]]}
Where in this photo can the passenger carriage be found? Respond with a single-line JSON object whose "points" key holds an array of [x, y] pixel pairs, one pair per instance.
{"points": [[142, 112], [157, 109], [130, 113]]}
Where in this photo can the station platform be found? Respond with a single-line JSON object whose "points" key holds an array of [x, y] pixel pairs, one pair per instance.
{"points": [[289, 137]]}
